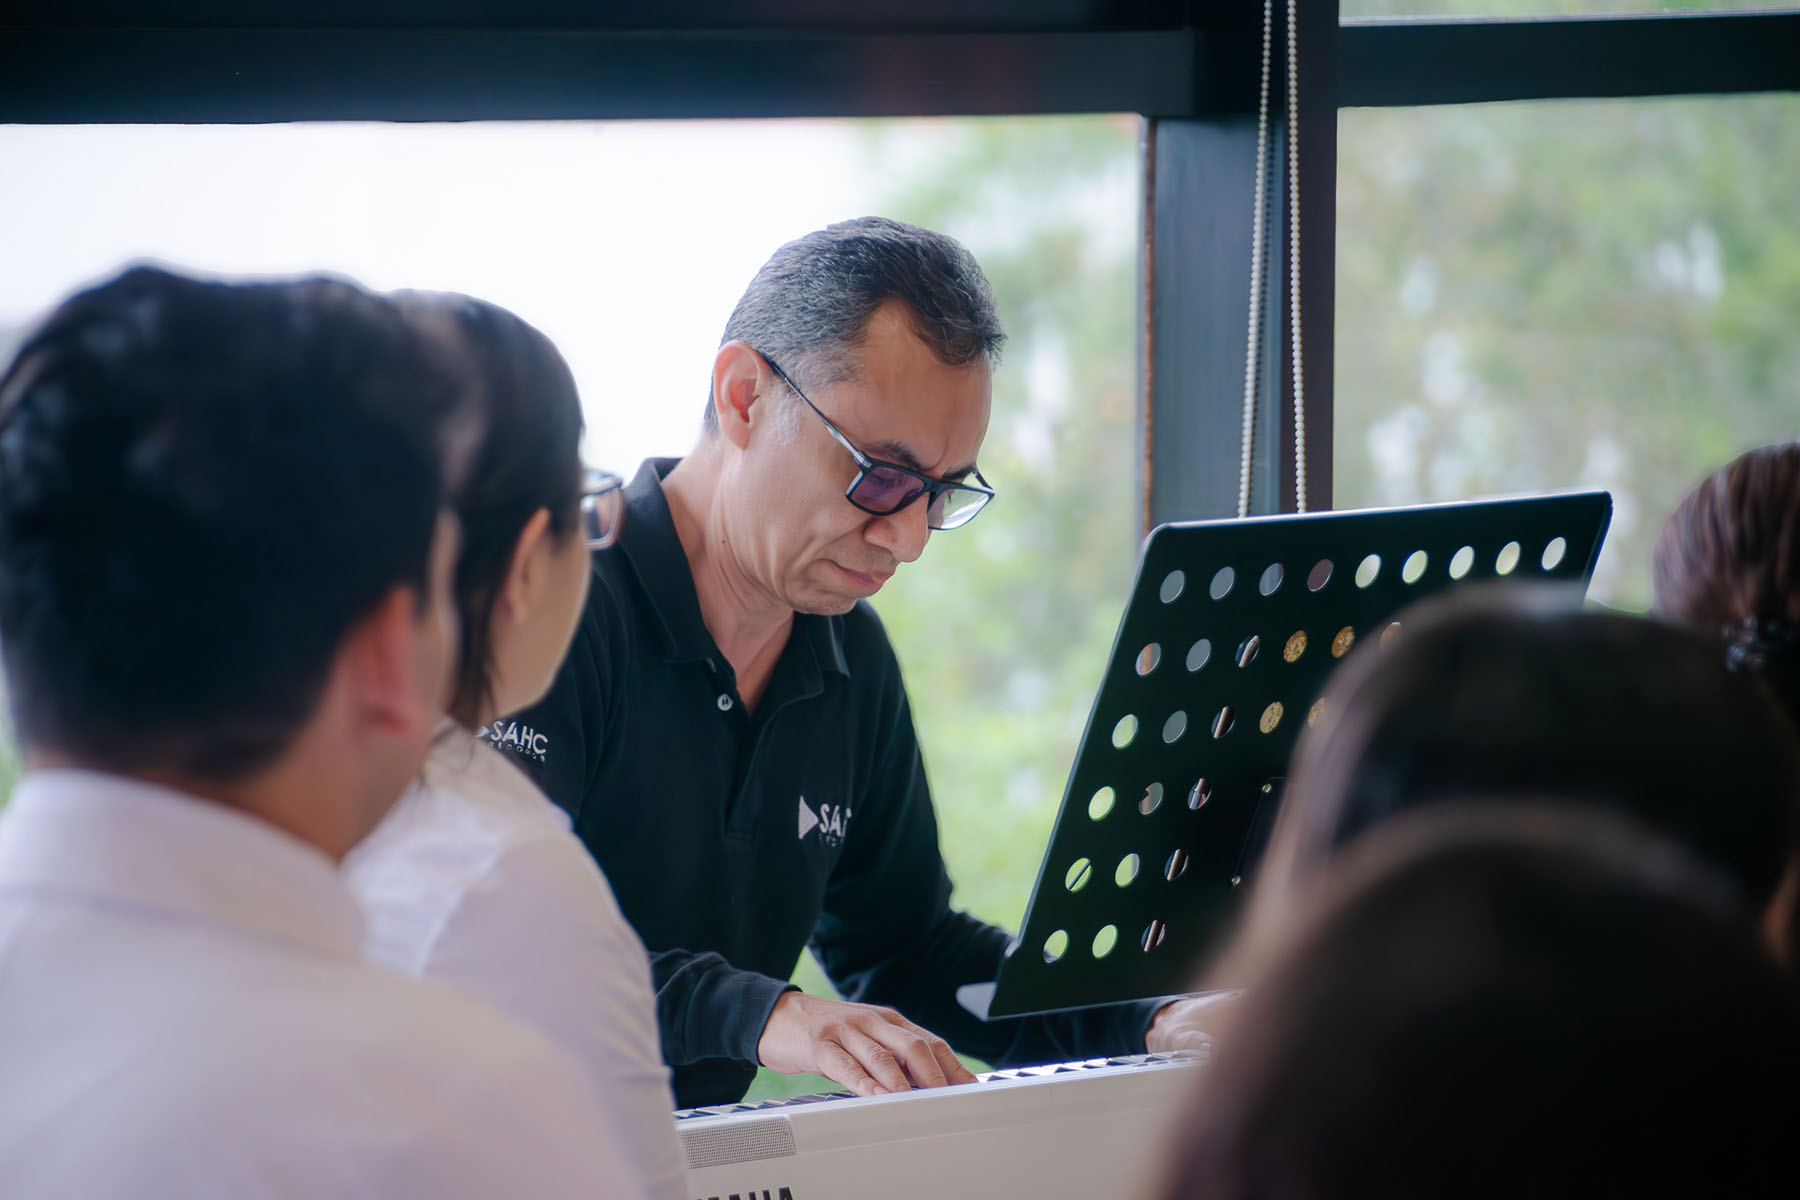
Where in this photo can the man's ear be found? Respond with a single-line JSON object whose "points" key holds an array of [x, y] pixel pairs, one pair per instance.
{"points": [[377, 661], [519, 591], [739, 380]]}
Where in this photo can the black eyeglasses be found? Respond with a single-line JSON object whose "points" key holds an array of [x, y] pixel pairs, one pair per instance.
{"points": [[602, 508], [883, 488]]}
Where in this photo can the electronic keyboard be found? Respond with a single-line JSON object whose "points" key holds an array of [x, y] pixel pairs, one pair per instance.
{"points": [[1091, 1128]]}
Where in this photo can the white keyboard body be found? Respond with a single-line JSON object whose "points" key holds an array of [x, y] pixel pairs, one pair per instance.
{"points": [[1087, 1129]]}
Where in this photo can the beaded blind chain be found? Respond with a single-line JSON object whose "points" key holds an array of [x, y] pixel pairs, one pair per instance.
{"points": [[1258, 240]]}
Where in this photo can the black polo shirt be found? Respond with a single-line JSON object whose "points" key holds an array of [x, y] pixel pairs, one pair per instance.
{"points": [[733, 840]]}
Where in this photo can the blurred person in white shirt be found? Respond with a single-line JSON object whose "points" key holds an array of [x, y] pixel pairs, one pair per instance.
{"points": [[227, 630], [474, 877]]}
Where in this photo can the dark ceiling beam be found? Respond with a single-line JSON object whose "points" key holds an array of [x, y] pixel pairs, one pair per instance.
{"points": [[248, 76], [887, 16], [1401, 63]]}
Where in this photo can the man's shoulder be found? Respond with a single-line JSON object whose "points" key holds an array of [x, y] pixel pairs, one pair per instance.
{"points": [[411, 1084], [615, 594], [414, 1026]]}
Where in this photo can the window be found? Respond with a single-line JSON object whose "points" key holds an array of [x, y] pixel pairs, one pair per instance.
{"points": [[1566, 294], [628, 243]]}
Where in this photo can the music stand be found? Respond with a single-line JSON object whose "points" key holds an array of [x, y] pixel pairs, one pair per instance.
{"points": [[1230, 633]]}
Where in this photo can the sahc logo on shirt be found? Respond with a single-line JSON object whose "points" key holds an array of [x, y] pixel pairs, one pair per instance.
{"points": [[520, 739], [831, 820]]}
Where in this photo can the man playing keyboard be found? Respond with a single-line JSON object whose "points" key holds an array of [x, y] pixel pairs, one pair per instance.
{"points": [[730, 732]]}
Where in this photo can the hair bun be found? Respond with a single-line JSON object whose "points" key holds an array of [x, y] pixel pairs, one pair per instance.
{"points": [[1752, 645]]}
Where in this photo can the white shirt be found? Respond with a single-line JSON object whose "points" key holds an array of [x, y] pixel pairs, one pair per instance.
{"points": [[184, 1013], [475, 879]]}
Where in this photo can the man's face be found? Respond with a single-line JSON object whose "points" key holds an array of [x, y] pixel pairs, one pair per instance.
{"points": [[788, 523]]}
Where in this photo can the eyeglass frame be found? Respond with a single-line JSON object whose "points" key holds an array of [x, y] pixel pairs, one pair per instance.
{"points": [[596, 483], [866, 463]]}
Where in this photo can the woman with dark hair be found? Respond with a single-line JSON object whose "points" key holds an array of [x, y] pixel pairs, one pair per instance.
{"points": [[1728, 562], [474, 878], [1500, 1002], [1507, 692]]}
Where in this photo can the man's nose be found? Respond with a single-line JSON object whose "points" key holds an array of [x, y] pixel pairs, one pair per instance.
{"points": [[903, 534]]}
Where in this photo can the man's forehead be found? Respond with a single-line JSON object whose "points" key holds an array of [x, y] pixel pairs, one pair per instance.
{"points": [[935, 429]]}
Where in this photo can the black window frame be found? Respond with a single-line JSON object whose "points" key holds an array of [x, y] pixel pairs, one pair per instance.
{"points": [[1189, 67]]}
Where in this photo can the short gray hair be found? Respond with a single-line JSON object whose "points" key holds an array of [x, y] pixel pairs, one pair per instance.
{"points": [[811, 302]]}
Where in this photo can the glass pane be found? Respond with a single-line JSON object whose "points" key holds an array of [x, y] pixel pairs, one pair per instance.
{"points": [[1571, 294], [628, 244], [1512, 8]]}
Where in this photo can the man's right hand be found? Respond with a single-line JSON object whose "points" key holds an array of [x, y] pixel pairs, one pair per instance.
{"points": [[869, 1049]]}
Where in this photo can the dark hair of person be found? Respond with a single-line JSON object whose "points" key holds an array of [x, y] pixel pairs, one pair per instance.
{"points": [[526, 457], [1491, 1004], [811, 302], [203, 488], [1728, 562], [1507, 691]]}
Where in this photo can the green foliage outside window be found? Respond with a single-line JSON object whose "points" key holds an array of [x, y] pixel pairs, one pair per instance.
{"points": [[1551, 295]]}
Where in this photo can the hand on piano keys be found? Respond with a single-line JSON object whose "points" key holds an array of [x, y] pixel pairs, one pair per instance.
{"points": [[871, 1050], [1190, 1023]]}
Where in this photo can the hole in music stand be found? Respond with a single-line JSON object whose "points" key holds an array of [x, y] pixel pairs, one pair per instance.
{"points": [[1124, 731], [1246, 651], [1271, 717], [1101, 804], [1198, 654], [1127, 870]]}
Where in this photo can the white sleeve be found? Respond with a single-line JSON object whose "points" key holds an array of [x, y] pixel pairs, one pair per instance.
{"points": [[540, 937]]}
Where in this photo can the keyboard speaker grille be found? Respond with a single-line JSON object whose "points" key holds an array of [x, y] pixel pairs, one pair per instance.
{"points": [[746, 1141]]}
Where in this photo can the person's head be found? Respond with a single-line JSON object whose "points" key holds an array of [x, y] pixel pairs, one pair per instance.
{"points": [[1504, 691], [223, 548], [889, 331], [1728, 562], [1500, 1002], [523, 572]]}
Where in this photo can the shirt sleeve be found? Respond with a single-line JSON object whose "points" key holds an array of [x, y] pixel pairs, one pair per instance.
{"points": [[709, 1008], [889, 936], [540, 937]]}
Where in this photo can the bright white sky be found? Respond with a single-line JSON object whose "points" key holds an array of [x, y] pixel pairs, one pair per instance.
{"points": [[626, 242]]}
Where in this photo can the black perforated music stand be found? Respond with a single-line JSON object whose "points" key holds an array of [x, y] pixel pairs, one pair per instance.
{"points": [[1224, 648]]}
